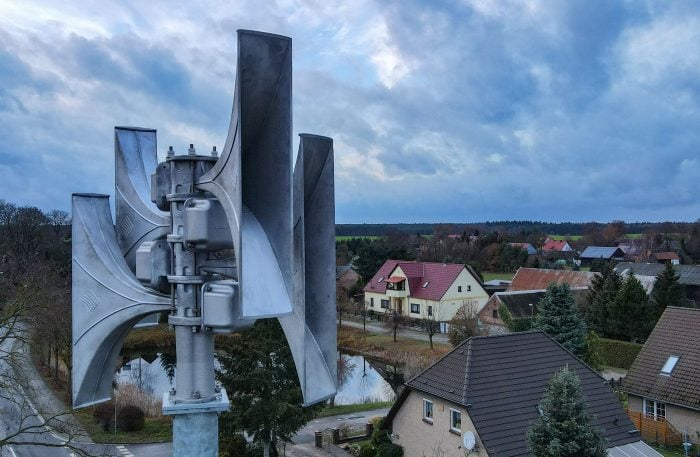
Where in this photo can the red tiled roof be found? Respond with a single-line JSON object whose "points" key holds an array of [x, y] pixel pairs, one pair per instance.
{"points": [[554, 245], [538, 278], [437, 278], [395, 279], [666, 256]]}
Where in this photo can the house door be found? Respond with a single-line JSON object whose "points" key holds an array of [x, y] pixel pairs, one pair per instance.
{"points": [[399, 306]]}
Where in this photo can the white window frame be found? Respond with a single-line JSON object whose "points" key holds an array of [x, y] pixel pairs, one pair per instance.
{"points": [[427, 418], [452, 416], [658, 408]]}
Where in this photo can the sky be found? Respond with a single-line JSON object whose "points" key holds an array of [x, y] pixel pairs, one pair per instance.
{"points": [[440, 111]]}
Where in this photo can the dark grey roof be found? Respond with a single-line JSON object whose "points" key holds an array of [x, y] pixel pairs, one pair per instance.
{"points": [[500, 380], [340, 270], [601, 252], [676, 333], [689, 274], [518, 301]]}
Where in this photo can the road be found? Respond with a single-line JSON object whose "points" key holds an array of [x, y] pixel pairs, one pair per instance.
{"points": [[406, 332], [21, 425]]}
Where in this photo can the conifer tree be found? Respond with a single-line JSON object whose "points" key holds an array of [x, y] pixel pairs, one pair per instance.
{"points": [[604, 289], [564, 428], [667, 291], [630, 315], [557, 316], [258, 372]]}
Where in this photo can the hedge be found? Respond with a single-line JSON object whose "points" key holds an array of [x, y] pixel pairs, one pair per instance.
{"points": [[620, 354]]}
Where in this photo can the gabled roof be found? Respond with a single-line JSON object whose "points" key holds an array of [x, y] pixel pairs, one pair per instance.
{"points": [[676, 334], [539, 278], [340, 270], [436, 277], [689, 274], [602, 252], [500, 381], [666, 256], [518, 302], [526, 246], [554, 245]]}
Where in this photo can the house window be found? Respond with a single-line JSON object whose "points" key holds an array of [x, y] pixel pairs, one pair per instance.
{"points": [[415, 308], [385, 304], [459, 288], [371, 302], [455, 420], [425, 284], [495, 314], [430, 310], [469, 288], [654, 409], [428, 410], [670, 364]]}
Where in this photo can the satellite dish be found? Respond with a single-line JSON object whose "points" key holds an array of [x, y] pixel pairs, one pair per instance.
{"points": [[469, 440]]}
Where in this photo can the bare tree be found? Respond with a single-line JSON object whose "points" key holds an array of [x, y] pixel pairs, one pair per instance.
{"points": [[464, 323]]}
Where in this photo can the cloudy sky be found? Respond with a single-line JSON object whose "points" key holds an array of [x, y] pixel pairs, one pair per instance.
{"points": [[463, 110]]}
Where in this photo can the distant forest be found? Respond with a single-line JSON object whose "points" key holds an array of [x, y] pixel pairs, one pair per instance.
{"points": [[549, 228]]}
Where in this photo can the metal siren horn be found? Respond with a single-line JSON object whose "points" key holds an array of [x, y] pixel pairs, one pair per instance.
{"points": [[311, 330], [107, 300], [138, 219], [252, 178]]}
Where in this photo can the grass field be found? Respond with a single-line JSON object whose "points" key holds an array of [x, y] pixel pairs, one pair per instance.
{"points": [[155, 429], [565, 237], [489, 276]]}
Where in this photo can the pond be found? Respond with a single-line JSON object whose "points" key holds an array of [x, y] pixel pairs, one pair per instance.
{"points": [[358, 381]]}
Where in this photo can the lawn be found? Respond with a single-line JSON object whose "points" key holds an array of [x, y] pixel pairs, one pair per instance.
{"points": [[676, 451], [345, 238], [156, 429], [565, 237], [490, 276]]}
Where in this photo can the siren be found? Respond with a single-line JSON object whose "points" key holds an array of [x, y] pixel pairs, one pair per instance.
{"points": [[107, 300], [138, 219], [252, 178], [311, 330]]}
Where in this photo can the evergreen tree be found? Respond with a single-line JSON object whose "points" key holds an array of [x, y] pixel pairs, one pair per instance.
{"points": [[564, 428], [558, 317], [630, 315], [604, 289], [667, 291], [259, 375]]}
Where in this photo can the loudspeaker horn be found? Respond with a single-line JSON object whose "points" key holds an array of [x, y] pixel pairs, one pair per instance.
{"points": [[138, 219], [253, 176], [107, 300], [311, 330]]}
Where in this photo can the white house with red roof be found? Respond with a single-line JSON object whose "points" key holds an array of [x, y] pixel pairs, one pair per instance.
{"points": [[424, 289], [556, 246]]}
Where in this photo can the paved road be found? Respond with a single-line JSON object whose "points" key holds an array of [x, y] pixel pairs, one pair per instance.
{"points": [[405, 332], [19, 414]]}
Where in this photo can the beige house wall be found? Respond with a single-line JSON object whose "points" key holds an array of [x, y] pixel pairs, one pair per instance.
{"points": [[682, 419], [444, 309], [422, 439]]}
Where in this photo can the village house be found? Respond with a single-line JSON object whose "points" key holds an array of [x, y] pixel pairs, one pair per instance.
{"points": [[525, 246], [481, 398], [521, 305], [551, 245], [540, 278], [424, 290], [666, 257], [610, 254], [345, 277], [663, 384], [646, 273]]}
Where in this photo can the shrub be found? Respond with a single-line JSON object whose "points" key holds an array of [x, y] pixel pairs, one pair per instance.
{"points": [[234, 446], [104, 415], [389, 450], [616, 353], [130, 418], [367, 450]]}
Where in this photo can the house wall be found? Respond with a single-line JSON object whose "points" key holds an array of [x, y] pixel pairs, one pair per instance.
{"points": [[421, 439], [486, 314], [682, 419]]}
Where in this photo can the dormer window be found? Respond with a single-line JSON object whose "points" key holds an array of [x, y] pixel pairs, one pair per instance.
{"points": [[670, 365]]}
